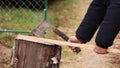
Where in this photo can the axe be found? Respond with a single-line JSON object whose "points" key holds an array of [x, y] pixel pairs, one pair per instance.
{"points": [[41, 28], [39, 31]]}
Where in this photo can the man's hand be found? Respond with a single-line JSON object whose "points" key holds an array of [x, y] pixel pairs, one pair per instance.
{"points": [[73, 39]]}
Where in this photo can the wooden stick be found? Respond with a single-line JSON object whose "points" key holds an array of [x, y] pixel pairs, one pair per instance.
{"points": [[49, 41]]}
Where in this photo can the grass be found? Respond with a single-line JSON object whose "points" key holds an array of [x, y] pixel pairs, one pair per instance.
{"points": [[18, 17], [28, 18]]}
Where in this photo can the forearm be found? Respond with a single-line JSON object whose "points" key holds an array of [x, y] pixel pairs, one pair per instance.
{"points": [[91, 21]]}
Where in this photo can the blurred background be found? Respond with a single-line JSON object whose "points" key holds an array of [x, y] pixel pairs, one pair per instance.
{"points": [[21, 16]]}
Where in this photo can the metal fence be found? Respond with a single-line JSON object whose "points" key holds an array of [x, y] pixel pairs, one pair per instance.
{"points": [[20, 14]]}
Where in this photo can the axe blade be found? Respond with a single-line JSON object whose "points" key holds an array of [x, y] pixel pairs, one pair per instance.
{"points": [[39, 31]]}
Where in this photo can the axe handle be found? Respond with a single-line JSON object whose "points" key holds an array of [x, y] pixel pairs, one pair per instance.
{"points": [[62, 35]]}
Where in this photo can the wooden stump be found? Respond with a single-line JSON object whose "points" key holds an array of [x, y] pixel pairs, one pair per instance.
{"points": [[32, 54]]}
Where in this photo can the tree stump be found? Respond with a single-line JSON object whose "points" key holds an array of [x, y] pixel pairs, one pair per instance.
{"points": [[32, 54]]}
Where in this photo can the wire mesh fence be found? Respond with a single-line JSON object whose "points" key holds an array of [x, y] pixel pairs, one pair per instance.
{"points": [[20, 14]]}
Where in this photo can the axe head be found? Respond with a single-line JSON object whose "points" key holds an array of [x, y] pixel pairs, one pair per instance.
{"points": [[39, 31]]}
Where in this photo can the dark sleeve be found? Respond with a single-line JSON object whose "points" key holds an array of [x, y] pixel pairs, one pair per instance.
{"points": [[110, 26], [91, 21]]}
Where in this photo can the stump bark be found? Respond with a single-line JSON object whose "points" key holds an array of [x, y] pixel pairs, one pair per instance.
{"points": [[32, 54]]}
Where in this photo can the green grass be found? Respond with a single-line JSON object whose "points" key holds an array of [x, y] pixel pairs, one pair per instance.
{"points": [[17, 19], [60, 12], [20, 18], [27, 19], [7, 39], [67, 53]]}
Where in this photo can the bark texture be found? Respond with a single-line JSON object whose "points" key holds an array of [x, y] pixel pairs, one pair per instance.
{"points": [[37, 55]]}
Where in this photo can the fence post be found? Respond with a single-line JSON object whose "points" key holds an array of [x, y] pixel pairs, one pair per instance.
{"points": [[37, 55], [45, 9]]}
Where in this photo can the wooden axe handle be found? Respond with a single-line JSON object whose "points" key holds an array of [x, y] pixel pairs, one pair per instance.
{"points": [[62, 35]]}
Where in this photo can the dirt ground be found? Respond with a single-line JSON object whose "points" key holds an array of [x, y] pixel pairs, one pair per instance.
{"points": [[86, 58], [5, 55]]}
